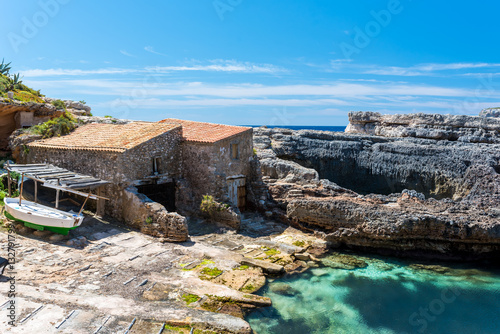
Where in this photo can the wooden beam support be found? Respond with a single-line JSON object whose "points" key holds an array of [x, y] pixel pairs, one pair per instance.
{"points": [[21, 191], [9, 181]]}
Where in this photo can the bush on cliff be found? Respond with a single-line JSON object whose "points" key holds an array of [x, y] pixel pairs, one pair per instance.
{"points": [[210, 206], [59, 104], [56, 127], [14, 83]]}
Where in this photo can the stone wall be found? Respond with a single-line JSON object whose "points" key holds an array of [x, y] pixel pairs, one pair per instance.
{"points": [[137, 163], [473, 129], [206, 167], [152, 218]]}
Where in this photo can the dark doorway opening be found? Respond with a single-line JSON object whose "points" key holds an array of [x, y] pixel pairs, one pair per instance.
{"points": [[160, 193]]}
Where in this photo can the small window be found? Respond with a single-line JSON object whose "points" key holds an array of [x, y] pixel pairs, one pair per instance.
{"points": [[156, 165], [234, 151]]}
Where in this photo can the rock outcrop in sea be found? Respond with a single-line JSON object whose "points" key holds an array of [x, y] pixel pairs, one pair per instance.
{"points": [[413, 184]]}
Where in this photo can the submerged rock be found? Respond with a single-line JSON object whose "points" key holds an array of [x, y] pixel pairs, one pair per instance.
{"points": [[283, 289], [343, 261]]}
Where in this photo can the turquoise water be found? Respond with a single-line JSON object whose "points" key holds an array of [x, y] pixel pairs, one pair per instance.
{"points": [[359, 294]]}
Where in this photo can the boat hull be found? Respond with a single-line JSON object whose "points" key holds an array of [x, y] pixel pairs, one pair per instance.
{"points": [[41, 217]]}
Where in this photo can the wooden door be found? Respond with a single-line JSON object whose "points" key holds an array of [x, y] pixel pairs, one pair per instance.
{"points": [[242, 197]]}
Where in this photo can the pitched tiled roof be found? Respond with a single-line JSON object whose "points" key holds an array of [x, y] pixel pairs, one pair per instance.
{"points": [[107, 137], [201, 132]]}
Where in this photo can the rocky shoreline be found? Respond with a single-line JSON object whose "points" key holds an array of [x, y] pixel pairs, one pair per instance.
{"points": [[378, 191], [388, 192]]}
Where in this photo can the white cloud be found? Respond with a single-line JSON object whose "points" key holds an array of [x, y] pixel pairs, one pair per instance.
{"points": [[222, 66], [427, 69], [230, 90], [212, 66], [74, 72], [150, 49], [125, 53]]}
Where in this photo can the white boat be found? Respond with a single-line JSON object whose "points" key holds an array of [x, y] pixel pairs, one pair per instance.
{"points": [[41, 217]]}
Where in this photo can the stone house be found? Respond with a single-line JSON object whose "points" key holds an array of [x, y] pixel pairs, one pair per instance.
{"points": [[155, 169], [215, 161], [137, 157]]}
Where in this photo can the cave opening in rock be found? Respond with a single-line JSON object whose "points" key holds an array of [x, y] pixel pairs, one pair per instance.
{"points": [[364, 180], [161, 193]]}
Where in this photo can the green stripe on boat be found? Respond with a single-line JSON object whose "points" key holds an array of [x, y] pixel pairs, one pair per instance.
{"points": [[58, 230]]}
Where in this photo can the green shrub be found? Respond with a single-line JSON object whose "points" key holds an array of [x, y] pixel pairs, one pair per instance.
{"points": [[3, 194], [27, 97], [56, 127], [210, 206], [59, 104], [82, 102], [190, 298], [4, 83]]}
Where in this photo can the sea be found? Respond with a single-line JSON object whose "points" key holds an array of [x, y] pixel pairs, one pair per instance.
{"points": [[353, 293], [304, 127], [359, 293]]}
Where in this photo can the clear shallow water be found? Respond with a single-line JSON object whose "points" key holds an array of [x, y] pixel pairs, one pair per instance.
{"points": [[386, 297]]}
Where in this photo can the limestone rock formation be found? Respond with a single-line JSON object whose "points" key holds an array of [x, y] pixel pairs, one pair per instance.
{"points": [[490, 112], [402, 194], [473, 129], [74, 107]]}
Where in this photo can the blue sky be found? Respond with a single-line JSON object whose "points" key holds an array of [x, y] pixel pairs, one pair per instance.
{"points": [[274, 62]]}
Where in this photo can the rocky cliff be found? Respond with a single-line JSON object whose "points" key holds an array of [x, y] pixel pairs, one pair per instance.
{"points": [[402, 194], [472, 129]]}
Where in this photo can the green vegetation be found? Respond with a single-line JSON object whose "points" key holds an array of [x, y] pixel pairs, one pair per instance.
{"points": [[299, 243], [149, 220], [242, 267], [107, 116], [210, 272], [55, 127], [4, 192], [270, 251], [206, 262], [27, 97], [254, 152], [14, 83], [4, 68], [82, 102], [59, 104], [210, 206], [190, 298], [248, 288], [186, 329]]}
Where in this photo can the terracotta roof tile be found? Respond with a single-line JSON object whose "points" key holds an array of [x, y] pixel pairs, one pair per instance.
{"points": [[201, 132], [107, 137]]}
